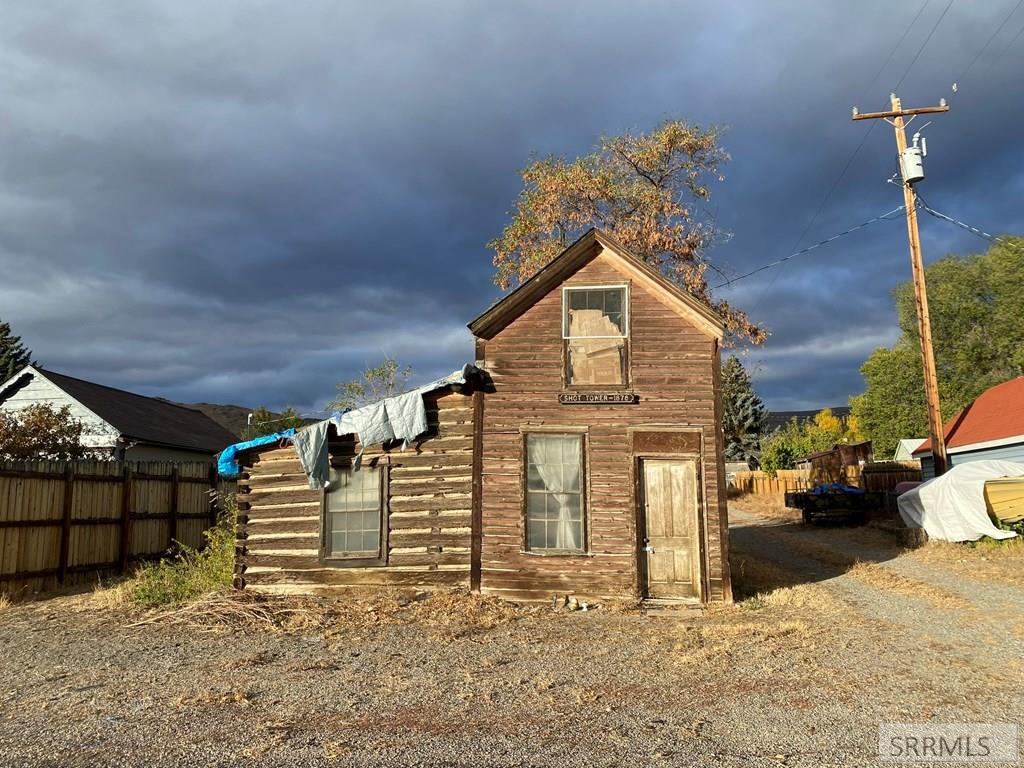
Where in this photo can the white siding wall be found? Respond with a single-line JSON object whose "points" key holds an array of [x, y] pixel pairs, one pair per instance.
{"points": [[999, 453], [97, 433]]}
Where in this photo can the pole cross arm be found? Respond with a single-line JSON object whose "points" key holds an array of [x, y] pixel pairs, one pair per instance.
{"points": [[901, 112]]}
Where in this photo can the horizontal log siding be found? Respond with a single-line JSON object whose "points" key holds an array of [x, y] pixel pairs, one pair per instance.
{"points": [[429, 520], [671, 371]]}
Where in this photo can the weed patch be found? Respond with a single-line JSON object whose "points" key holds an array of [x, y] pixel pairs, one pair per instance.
{"points": [[187, 574]]}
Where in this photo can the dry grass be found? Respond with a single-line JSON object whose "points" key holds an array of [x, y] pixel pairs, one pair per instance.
{"points": [[877, 575], [110, 596], [5, 601], [770, 506], [448, 615], [759, 584], [987, 560], [720, 642]]}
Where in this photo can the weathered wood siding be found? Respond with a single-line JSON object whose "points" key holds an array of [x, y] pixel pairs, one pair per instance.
{"points": [[428, 511], [673, 371]]}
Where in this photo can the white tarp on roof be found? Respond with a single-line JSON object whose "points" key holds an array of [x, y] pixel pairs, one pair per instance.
{"points": [[951, 507]]}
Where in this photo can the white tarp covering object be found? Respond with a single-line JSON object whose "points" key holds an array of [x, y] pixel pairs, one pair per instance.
{"points": [[952, 507]]}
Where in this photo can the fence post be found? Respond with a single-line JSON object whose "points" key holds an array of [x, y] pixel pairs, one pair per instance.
{"points": [[172, 522], [213, 496], [65, 524], [126, 519]]}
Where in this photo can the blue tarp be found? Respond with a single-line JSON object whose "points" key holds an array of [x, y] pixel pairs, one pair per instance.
{"points": [[836, 488], [227, 461]]}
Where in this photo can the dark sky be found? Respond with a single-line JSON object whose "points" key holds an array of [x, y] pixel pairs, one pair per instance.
{"points": [[248, 202]]}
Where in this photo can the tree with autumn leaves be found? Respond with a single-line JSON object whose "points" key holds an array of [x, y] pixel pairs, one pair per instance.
{"points": [[645, 189]]}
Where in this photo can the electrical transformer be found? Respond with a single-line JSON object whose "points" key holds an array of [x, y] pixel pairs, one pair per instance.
{"points": [[913, 160]]}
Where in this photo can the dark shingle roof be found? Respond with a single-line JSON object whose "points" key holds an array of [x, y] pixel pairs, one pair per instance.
{"points": [[147, 419]]}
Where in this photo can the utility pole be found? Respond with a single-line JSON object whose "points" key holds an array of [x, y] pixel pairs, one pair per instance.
{"points": [[924, 323]]}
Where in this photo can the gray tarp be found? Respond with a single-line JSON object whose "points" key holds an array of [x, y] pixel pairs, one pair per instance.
{"points": [[403, 417]]}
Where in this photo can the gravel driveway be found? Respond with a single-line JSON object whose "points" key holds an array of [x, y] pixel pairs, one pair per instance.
{"points": [[844, 631]]}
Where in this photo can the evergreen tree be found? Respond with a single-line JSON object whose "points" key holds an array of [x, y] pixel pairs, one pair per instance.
{"points": [[13, 354], [743, 414]]}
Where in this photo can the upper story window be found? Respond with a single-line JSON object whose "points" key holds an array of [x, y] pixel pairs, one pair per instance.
{"points": [[595, 326]]}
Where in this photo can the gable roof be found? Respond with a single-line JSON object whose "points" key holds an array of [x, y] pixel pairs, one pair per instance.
{"points": [[141, 418], [500, 314], [908, 445], [996, 416]]}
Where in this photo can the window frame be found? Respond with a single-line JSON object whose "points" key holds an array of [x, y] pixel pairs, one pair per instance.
{"points": [[326, 556], [582, 434], [627, 321]]}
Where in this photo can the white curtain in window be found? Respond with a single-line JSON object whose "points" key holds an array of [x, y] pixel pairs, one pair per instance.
{"points": [[557, 461]]}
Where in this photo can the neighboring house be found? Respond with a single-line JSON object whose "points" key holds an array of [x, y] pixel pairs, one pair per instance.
{"points": [[992, 427], [585, 459], [906, 447], [118, 424]]}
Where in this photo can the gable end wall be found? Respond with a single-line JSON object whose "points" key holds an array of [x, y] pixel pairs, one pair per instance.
{"points": [[672, 371]]}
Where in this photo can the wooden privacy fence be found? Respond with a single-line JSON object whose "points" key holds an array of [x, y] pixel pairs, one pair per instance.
{"points": [[62, 522], [886, 475], [876, 476], [761, 483]]}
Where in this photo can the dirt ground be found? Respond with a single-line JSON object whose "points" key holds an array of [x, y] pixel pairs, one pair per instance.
{"points": [[835, 631]]}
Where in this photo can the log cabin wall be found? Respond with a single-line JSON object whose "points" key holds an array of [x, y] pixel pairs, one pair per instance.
{"points": [[428, 510], [673, 371]]}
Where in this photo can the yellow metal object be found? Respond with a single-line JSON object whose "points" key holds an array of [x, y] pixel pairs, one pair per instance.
{"points": [[1004, 499]]}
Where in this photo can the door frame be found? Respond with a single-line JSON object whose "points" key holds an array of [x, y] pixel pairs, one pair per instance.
{"points": [[639, 519]]}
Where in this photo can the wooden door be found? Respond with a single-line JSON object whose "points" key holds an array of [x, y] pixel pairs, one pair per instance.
{"points": [[671, 532]]}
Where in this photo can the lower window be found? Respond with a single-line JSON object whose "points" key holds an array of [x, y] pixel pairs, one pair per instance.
{"points": [[354, 513], [554, 492]]}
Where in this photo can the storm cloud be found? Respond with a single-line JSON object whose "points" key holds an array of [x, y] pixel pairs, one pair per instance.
{"points": [[249, 202]]}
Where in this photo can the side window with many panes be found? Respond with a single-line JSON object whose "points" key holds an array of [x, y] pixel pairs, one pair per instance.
{"points": [[354, 516], [554, 493]]}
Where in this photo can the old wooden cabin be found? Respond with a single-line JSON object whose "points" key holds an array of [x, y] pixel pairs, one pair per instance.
{"points": [[586, 461]]}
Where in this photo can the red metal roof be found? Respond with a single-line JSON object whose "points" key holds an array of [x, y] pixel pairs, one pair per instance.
{"points": [[998, 413]]}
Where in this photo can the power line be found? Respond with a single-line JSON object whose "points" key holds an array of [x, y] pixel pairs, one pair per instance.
{"points": [[989, 41], [973, 230], [924, 44], [826, 241], [1013, 40], [864, 138], [895, 48]]}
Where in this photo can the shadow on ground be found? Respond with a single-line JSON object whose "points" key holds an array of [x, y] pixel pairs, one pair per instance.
{"points": [[768, 554]]}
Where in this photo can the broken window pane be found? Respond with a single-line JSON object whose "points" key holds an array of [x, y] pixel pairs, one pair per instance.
{"points": [[595, 325], [597, 361]]}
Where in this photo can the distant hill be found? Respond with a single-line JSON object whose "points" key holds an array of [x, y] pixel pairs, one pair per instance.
{"points": [[234, 418], [777, 419]]}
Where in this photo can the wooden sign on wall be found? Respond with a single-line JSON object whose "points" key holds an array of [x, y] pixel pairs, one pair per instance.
{"points": [[596, 398]]}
